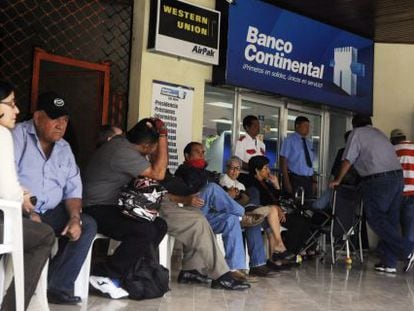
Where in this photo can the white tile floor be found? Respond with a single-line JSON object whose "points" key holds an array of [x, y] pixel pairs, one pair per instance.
{"points": [[311, 287]]}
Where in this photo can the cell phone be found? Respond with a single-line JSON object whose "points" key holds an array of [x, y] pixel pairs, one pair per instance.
{"points": [[33, 200]]}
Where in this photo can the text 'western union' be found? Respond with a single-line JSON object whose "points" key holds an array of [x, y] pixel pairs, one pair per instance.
{"points": [[188, 17]]}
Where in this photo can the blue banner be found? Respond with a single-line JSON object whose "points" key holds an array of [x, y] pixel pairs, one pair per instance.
{"points": [[274, 50]]}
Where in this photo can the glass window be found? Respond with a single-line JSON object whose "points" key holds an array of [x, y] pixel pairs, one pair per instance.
{"points": [[217, 126]]}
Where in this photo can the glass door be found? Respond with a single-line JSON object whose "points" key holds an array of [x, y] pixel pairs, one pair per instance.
{"points": [[269, 112]]}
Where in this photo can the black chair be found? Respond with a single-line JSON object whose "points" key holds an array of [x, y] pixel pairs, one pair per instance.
{"points": [[346, 222]]}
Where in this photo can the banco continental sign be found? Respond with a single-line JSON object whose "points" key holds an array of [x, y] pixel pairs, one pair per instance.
{"points": [[185, 30]]}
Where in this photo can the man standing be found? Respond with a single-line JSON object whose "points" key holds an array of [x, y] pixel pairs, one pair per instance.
{"points": [[405, 153], [374, 158], [46, 166], [296, 158], [249, 145]]}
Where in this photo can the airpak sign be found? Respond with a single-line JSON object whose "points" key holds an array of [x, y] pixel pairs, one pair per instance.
{"points": [[185, 30]]}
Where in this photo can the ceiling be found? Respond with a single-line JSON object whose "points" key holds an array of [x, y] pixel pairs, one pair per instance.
{"points": [[389, 21]]}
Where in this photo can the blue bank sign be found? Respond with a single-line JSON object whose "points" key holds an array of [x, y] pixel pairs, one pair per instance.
{"points": [[277, 51]]}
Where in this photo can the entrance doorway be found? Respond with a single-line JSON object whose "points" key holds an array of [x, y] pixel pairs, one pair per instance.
{"points": [[85, 87]]}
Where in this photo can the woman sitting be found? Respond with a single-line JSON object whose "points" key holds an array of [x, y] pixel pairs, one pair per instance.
{"points": [[264, 189], [272, 213]]}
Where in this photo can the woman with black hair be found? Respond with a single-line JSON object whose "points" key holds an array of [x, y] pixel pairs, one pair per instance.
{"points": [[263, 189]]}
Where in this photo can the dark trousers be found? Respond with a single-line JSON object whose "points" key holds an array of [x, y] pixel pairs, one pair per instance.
{"points": [[137, 237], [302, 181], [382, 200], [298, 231], [38, 239], [65, 266]]}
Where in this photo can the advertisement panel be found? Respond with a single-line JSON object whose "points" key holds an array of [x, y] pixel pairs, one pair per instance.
{"points": [[174, 105], [185, 30], [277, 51]]}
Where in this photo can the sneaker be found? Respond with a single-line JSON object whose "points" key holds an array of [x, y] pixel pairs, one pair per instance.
{"points": [[410, 262], [251, 220], [383, 268], [107, 287]]}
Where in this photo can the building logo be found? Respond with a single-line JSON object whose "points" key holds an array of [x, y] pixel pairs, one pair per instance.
{"points": [[347, 69]]}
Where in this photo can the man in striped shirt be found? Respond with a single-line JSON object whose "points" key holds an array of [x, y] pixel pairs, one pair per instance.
{"points": [[405, 153]]}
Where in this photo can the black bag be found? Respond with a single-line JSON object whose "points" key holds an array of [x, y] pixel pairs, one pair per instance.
{"points": [[146, 279], [141, 199]]}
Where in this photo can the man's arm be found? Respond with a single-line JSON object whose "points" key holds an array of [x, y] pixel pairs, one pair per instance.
{"points": [[285, 174], [73, 228], [190, 200], [345, 166]]}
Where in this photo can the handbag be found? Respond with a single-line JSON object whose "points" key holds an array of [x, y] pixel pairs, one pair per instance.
{"points": [[141, 199]]}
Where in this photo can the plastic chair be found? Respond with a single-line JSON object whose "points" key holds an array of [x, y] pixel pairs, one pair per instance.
{"points": [[13, 245]]}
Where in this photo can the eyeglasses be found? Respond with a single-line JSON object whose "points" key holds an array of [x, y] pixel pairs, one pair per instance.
{"points": [[11, 104], [234, 168]]}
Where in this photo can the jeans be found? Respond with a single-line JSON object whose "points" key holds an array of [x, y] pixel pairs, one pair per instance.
{"points": [[407, 217], [323, 201], [223, 213], [65, 266], [255, 246], [382, 200]]}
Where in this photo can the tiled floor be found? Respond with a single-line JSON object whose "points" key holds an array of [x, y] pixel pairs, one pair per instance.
{"points": [[313, 286]]}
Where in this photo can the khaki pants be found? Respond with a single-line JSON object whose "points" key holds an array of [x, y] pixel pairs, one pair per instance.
{"points": [[189, 226]]}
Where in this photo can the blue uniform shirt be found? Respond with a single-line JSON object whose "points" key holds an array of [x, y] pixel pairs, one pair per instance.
{"points": [[50, 180], [292, 150]]}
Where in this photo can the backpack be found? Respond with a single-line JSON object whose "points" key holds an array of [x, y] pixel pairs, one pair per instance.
{"points": [[146, 279]]}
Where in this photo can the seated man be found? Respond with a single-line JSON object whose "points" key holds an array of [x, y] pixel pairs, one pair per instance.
{"points": [[221, 211], [112, 166], [46, 166]]}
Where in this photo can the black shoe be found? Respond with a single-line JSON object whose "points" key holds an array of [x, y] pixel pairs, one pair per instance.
{"points": [[262, 271], [282, 255], [62, 298], [275, 267], [192, 277], [226, 281]]}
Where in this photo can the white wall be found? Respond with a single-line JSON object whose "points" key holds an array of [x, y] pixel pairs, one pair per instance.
{"points": [[147, 66], [394, 88]]}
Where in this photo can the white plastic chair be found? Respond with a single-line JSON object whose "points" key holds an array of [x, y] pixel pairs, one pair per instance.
{"points": [[13, 245], [165, 250]]}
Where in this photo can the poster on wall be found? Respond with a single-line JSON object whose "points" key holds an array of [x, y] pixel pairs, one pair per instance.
{"points": [[281, 52], [174, 105], [184, 29]]}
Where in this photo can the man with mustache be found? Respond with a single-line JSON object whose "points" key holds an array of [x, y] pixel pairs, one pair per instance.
{"points": [[46, 165]]}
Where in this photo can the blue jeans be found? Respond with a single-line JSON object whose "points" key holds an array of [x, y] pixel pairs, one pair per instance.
{"points": [[407, 217], [323, 201], [65, 266], [255, 246], [382, 200], [223, 213]]}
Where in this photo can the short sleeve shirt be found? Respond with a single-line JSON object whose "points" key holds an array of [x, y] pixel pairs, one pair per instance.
{"points": [[292, 150], [51, 179], [248, 147], [226, 181], [111, 167], [370, 151]]}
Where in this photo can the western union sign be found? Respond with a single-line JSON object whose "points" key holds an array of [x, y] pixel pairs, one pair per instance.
{"points": [[185, 30]]}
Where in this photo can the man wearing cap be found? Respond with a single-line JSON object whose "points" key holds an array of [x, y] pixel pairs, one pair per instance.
{"points": [[46, 165], [405, 153], [374, 158]]}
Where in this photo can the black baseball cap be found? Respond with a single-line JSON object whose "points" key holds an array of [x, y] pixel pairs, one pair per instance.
{"points": [[53, 105]]}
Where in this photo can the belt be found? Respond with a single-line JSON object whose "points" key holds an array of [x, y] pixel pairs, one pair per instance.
{"points": [[373, 176]]}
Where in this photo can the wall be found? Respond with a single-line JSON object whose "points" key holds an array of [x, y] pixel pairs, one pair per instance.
{"points": [[147, 66], [393, 88]]}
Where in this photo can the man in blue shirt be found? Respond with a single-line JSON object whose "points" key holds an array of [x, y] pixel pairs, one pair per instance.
{"points": [[296, 158], [46, 165]]}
